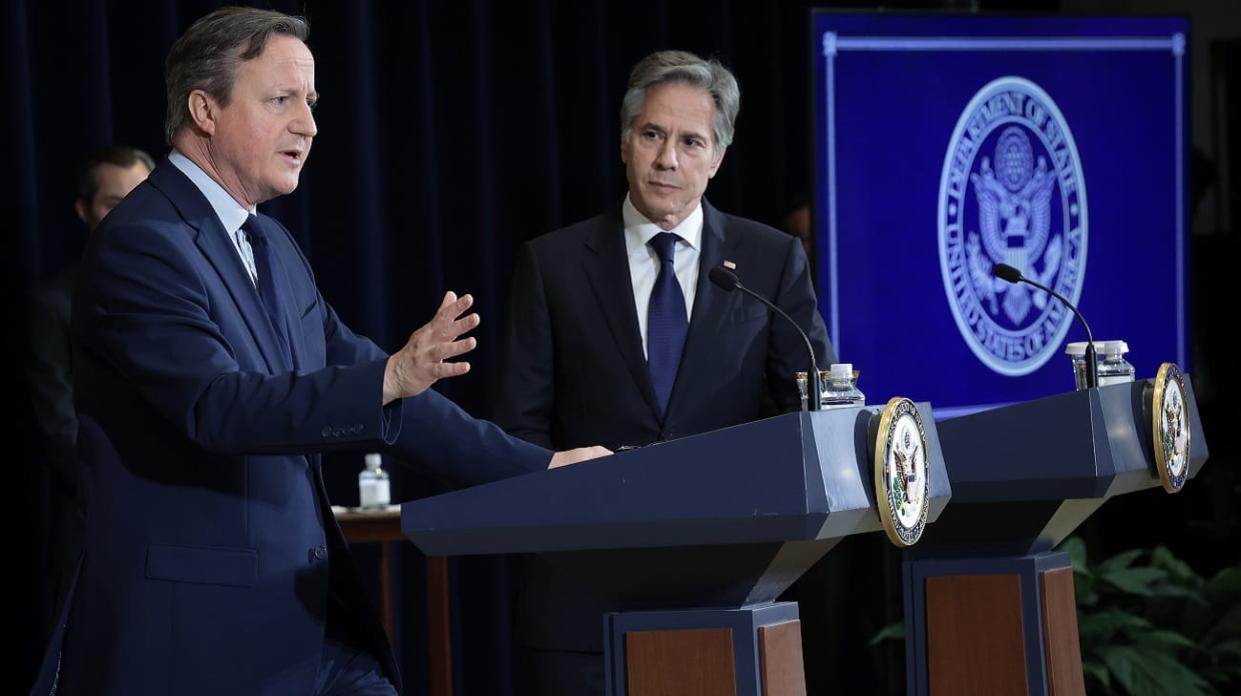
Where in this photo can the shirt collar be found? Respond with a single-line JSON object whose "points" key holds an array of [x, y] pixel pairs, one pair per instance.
{"points": [[639, 229], [230, 212]]}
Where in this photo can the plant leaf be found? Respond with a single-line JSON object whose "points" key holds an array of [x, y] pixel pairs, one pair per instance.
{"points": [[1224, 627], [1120, 561], [1153, 672], [1139, 581], [1102, 625], [893, 631], [1083, 588], [1076, 548], [1177, 569], [1226, 585], [1226, 654], [1162, 639], [1098, 672]]}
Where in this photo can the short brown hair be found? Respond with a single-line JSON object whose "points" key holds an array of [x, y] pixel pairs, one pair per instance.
{"points": [[122, 156], [207, 54]]}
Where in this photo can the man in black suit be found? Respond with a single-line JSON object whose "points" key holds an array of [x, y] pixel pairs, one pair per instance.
{"points": [[106, 177], [616, 336]]}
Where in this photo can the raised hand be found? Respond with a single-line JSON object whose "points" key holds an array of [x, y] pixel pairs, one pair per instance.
{"points": [[422, 362]]}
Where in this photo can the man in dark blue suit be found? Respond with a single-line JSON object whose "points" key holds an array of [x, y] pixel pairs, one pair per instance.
{"points": [[210, 375], [616, 336]]}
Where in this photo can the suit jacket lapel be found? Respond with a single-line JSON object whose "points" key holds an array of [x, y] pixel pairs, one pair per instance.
{"points": [[213, 241], [710, 308], [607, 272]]}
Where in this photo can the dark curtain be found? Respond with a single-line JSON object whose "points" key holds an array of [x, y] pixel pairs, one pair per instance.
{"points": [[449, 133]]}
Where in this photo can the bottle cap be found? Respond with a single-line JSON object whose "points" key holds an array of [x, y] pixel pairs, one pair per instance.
{"points": [[373, 460], [1078, 348]]}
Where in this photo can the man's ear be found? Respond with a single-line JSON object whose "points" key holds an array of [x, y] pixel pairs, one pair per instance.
{"points": [[83, 209], [204, 111]]}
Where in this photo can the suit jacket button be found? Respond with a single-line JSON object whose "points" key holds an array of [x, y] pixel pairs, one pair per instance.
{"points": [[321, 552]]}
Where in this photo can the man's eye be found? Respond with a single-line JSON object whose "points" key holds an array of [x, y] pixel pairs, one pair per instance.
{"points": [[279, 101]]}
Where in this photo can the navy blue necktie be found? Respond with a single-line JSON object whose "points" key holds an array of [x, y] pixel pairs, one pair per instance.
{"points": [[666, 321], [270, 291]]}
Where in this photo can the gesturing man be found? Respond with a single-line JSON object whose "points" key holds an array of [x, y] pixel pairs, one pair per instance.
{"points": [[211, 373]]}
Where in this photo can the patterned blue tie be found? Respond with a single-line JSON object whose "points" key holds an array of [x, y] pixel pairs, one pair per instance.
{"points": [[270, 292], [666, 321]]}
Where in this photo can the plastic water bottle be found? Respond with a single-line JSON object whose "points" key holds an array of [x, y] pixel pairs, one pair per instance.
{"points": [[1112, 366], [839, 388], [373, 490]]}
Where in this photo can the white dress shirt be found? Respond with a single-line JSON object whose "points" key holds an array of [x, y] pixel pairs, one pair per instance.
{"points": [[230, 212], [644, 262]]}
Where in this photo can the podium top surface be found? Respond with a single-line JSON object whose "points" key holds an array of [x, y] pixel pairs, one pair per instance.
{"points": [[1089, 444], [794, 477]]}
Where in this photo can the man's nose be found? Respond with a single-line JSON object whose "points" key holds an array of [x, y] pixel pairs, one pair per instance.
{"points": [[667, 157], [304, 124]]}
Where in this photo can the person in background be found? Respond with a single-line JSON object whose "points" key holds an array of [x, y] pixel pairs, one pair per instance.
{"points": [[104, 179], [797, 223]]}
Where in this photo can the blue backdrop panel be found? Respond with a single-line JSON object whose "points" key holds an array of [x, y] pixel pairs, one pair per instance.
{"points": [[944, 144]]}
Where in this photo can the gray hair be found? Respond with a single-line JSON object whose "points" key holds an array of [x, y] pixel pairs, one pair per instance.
{"points": [[208, 53], [680, 66]]}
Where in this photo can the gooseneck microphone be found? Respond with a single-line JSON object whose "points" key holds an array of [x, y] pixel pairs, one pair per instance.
{"points": [[727, 280], [1006, 272]]}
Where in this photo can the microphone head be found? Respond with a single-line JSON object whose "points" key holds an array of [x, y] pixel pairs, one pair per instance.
{"points": [[724, 278], [1004, 271]]}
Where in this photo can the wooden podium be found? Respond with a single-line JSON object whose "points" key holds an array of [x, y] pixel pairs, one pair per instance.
{"points": [[989, 607], [689, 542]]}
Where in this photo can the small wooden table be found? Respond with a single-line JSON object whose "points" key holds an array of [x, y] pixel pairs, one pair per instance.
{"points": [[383, 527]]}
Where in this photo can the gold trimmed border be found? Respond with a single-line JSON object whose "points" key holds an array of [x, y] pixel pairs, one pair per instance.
{"points": [[1168, 372], [883, 499]]}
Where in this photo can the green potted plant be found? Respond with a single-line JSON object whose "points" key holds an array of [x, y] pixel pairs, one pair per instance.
{"points": [[1149, 624]]}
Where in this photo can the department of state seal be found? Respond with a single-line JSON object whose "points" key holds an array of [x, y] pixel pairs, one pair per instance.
{"points": [[901, 489], [1170, 427], [1012, 192]]}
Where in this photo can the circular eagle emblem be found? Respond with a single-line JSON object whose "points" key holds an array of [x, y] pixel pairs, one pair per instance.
{"points": [[1170, 425], [901, 472], [1012, 192]]}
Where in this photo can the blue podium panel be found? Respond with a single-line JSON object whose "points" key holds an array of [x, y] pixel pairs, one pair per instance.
{"points": [[1025, 476], [726, 518], [946, 144]]}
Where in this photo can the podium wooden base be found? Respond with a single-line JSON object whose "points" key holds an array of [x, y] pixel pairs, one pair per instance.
{"points": [[1005, 625], [753, 651]]}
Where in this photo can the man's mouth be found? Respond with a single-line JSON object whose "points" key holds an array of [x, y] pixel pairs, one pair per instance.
{"points": [[293, 156]]}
